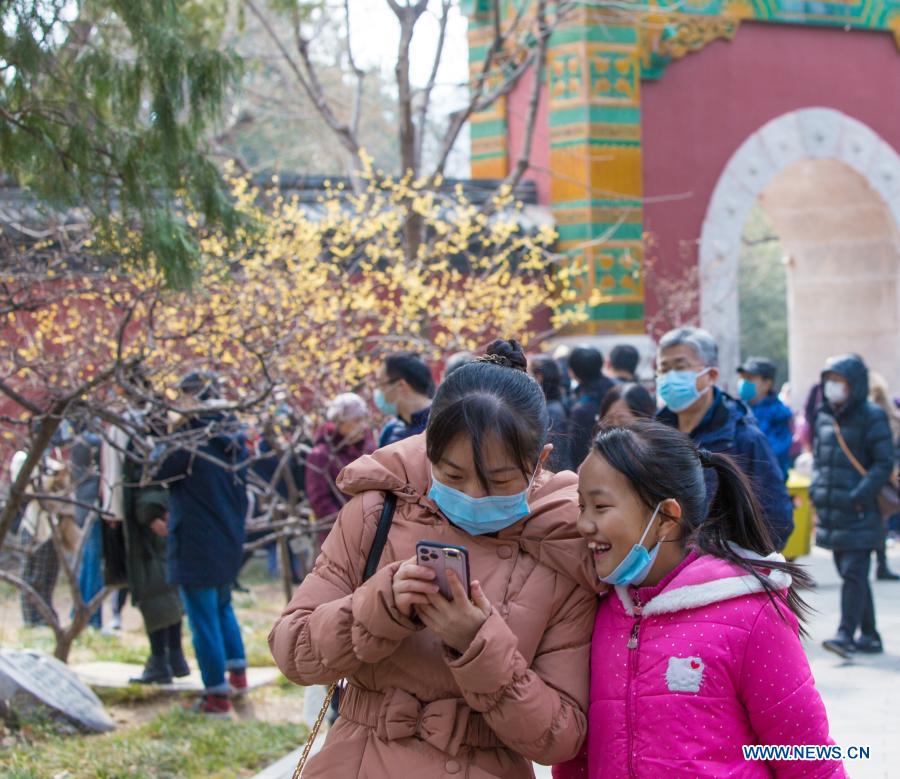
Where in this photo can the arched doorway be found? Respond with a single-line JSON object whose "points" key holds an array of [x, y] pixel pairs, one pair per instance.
{"points": [[832, 190]]}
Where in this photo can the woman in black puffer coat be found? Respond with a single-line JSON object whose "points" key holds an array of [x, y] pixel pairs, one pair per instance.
{"points": [[849, 522]]}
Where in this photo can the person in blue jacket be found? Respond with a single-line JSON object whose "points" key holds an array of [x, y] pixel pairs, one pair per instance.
{"points": [[207, 509], [757, 388], [687, 370]]}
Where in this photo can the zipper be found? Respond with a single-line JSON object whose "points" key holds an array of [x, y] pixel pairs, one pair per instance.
{"points": [[632, 671]]}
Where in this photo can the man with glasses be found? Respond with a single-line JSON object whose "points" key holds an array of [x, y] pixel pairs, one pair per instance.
{"points": [[687, 370], [404, 388]]}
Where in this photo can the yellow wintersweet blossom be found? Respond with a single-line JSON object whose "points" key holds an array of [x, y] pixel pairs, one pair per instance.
{"points": [[306, 296]]}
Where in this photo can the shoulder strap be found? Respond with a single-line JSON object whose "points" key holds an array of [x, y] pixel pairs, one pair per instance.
{"points": [[846, 450], [381, 535]]}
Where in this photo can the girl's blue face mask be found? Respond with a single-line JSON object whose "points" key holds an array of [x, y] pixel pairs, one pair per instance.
{"points": [[637, 563], [478, 516]]}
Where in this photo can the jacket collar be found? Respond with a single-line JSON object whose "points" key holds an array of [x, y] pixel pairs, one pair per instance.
{"points": [[707, 580], [719, 423]]}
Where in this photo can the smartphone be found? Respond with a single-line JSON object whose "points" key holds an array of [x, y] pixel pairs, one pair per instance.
{"points": [[442, 558]]}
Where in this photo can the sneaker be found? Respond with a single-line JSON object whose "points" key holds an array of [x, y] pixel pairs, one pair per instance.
{"points": [[237, 680], [870, 645], [885, 574], [842, 645], [178, 663], [156, 671], [213, 705]]}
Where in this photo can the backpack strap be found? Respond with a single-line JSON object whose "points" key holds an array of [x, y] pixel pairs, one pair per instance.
{"points": [[381, 535]]}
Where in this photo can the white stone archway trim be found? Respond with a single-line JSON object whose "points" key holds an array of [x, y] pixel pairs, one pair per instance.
{"points": [[808, 133]]}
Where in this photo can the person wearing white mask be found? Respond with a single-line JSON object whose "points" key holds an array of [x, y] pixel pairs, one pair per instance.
{"points": [[687, 366], [853, 456]]}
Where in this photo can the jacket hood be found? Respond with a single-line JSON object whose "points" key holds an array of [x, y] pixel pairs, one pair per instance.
{"points": [[854, 370], [548, 533], [709, 580]]}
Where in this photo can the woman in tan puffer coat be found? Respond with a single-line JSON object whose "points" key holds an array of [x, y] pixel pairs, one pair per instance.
{"points": [[473, 688]]}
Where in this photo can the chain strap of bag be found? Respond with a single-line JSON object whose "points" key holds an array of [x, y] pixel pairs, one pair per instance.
{"points": [[381, 536], [887, 498]]}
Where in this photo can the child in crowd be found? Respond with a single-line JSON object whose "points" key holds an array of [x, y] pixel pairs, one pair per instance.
{"points": [[695, 652]]}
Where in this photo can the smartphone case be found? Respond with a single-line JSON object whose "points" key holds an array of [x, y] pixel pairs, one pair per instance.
{"points": [[442, 558]]}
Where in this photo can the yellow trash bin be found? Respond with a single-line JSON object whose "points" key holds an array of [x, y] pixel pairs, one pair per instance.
{"points": [[799, 542]]}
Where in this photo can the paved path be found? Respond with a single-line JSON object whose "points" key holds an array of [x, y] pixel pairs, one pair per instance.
{"points": [[862, 696]]}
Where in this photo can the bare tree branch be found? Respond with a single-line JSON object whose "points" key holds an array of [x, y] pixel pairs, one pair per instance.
{"points": [[32, 594], [357, 72], [309, 80], [446, 5], [408, 16]]}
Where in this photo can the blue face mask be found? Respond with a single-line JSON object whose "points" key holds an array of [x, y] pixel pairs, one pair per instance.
{"points": [[746, 390], [637, 563], [478, 516], [678, 389], [384, 405]]}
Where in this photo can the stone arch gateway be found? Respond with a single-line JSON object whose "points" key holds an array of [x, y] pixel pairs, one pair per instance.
{"points": [[769, 155]]}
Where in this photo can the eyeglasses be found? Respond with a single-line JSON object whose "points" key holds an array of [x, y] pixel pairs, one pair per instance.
{"points": [[386, 383]]}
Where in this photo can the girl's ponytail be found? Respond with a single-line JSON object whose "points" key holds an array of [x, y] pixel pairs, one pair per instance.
{"points": [[736, 519], [734, 514]]}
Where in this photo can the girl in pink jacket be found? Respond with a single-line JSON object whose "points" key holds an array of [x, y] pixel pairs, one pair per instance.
{"points": [[695, 652]]}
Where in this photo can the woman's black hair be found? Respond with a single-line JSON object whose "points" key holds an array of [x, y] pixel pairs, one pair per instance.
{"points": [[412, 369], [639, 401], [492, 395], [550, 380], [662, 463]]}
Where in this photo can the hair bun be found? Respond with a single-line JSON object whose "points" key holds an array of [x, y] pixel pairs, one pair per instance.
{"points": [[509, 354]]}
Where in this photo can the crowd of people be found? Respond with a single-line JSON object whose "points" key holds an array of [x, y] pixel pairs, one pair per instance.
{"points": [[605, 516]]}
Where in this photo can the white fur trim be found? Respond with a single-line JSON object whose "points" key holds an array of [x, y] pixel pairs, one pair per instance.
{"points": [[694, 596]]}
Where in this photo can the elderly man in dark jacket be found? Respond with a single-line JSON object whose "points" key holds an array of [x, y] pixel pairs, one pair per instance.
{"points": [[688, 367], [207, 508], [850, 435]]}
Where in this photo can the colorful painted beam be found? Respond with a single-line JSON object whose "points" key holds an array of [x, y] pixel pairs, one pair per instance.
{"points": [[597, 59]]}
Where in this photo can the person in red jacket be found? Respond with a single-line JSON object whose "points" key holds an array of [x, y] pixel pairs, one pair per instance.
{"points": [[346, 436]]}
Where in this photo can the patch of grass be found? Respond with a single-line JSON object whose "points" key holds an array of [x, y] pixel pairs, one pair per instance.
{"points": [[283, 683], [8, 592], [256, 571], [98, 648], [133, 693], [40, 638], [256, 645], [176, 743]]}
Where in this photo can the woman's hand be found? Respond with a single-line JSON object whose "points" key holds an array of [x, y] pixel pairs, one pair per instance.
{"points": [[455, 621], [160, 527], [412, 585]]}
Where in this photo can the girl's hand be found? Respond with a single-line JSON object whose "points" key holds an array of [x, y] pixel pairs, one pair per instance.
{"points": [[412, 585], [456, 621]]}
